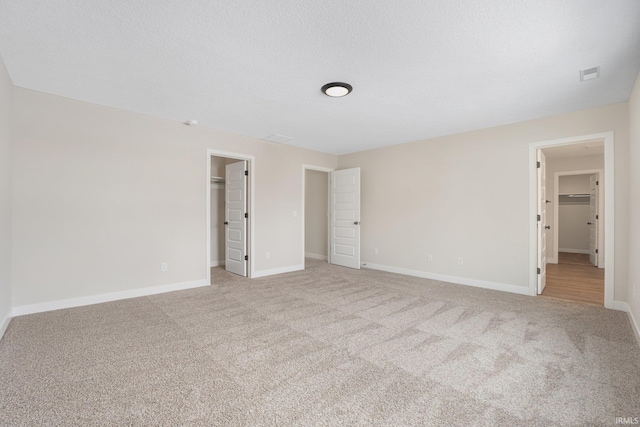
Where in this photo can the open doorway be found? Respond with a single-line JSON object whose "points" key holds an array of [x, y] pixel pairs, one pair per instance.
{"points": [[574, 219], [334, 213], [576, 265], [316, 214], [229, 216]]}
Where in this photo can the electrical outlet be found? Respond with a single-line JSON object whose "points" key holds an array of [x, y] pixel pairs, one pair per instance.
{"points": [[375, 251], [164, 266], [460, 260], [267, 255], [430, 257]]}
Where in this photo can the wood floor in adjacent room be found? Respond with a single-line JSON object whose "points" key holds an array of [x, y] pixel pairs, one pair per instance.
{"points": [[575, 278]]}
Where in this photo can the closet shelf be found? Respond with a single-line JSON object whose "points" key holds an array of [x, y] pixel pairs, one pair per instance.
{"points": [[217, 180], [574, 195]]}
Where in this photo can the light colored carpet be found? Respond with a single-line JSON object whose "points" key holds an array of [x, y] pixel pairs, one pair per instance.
{"points": [[327, 346]]}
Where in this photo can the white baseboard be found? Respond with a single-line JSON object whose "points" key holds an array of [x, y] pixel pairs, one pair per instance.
{"points": [[634, 325], [574, 251], [289, 269], [623, 306], [620, 306], [217, 263], [552, 261], [112, 296], [315, 256], [453, 279], [5, 323]]}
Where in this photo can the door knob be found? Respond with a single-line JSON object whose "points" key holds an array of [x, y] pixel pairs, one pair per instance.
{"points": [[547, 227], [226, 223], [589, 223], [356, 223]]}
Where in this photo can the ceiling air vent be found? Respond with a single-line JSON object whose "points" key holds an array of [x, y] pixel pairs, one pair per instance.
{"points": [[589, 74]]}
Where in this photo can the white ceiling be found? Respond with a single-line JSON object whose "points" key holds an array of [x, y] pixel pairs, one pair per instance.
{"points": [[419, 69], [591, 148]]}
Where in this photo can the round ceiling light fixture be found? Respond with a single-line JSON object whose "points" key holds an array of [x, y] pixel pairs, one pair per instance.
{"points": [[337, 89]]}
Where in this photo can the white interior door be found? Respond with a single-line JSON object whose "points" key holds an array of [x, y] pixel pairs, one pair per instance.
{"points": [[235, 190], [542, 221], [345, 218], [593, 219]]}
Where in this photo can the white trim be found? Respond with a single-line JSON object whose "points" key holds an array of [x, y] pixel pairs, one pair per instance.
{"points": [[623, 306], [5, 323], [552, 260], [218, 263], [306, 167], [281, 270], [522, 290], [574, 251], [112, 296], [634, 324], [556, 212], [609, 207], [620, 306], [315, 256], [251, 167]]}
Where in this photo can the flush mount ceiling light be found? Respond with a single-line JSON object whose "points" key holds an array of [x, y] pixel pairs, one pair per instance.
{"points": [[336, 89]]}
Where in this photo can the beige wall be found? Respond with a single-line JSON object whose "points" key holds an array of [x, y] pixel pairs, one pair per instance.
{"points": [[634, 198], [573, 231], [315, 211], [103, 196], [467, 195], [6, 97], [568, 165]]}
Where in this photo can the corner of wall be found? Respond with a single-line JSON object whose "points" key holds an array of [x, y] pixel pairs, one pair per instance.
{"points": [[633, 253], [4, 324]]}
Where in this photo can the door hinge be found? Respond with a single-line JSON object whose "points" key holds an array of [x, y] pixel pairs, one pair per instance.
{"points": [[538, 165], [596, 251], [539, 218], [246, 257], [538, 270], [597, 216], [246, 215], [246, 173], [597, 182]]}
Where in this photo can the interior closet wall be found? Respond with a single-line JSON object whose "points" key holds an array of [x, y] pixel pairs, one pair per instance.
{"points": [[573, 214], [315, 214], [217, 210], [567, 165]]}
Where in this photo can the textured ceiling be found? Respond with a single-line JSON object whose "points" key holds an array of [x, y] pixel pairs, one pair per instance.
{"points": [[419, 68], [591, 148]]}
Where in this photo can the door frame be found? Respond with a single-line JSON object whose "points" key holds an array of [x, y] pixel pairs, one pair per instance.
{"points": [[556, 209], [305, 168], [609, 208], [250, 208]]}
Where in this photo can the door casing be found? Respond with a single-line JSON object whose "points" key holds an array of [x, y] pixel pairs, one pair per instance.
{"points": [[250, 208], [609, 209]]}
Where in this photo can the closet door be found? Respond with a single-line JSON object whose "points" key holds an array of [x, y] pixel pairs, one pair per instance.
{"points": [[236, 218]]}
